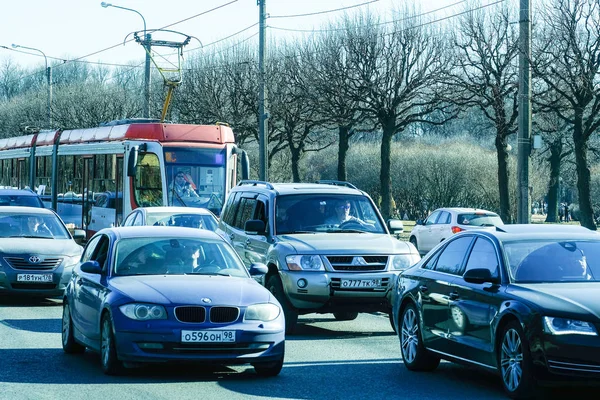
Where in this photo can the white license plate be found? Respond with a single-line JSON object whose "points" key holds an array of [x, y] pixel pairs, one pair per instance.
{"points": [[360, 283], [207, 336], [33, 278]]}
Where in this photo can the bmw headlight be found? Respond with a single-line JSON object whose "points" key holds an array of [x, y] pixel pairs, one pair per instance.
{"points": [[401, 262], [143, 312], [304, 263], [262, 312], [565, 326]]}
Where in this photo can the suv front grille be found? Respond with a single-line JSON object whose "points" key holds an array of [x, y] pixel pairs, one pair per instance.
{"points": [[192, 314], [358, 263], [24, 263], [223, 315]]}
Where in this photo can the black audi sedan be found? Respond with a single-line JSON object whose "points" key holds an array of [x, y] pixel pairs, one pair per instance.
{"points": [[522, 300]]}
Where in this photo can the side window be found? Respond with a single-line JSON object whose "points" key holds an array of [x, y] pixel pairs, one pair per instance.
{"points": [[261, 213], [148, 181], [245, 212], [444, 218], [451, 259], [138, 221], [432, 261], [129, 220], [431, 219], [101, 254], [483, 255], [230, 209], [89, 249]]}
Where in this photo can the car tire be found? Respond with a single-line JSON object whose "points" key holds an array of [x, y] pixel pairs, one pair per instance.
{"points": [[270, 369], [290, 313], [69, 345], [514, 360], [416, 357], [413, 240], [111, 365], [345, 315]]}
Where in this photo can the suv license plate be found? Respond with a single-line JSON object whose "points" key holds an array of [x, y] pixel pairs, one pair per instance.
{"points": [[33, 278], [207, 336], [360, 283]]}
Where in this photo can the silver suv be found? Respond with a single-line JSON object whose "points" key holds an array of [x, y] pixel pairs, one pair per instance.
{"points": [[326, 245]]}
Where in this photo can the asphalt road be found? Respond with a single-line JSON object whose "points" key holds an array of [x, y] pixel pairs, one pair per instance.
{"points": [[326, 359]]}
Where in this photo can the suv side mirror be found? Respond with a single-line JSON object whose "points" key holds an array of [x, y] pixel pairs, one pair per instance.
{"points": [[255, 226], [258, 269], [480, 275], [91, 267], [395, 226], [78, 235]]}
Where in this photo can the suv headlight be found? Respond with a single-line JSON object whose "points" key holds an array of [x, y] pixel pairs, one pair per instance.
{"points": [[143, 312], [565, 326], [304, 263], [262, 312], [400, 262]]}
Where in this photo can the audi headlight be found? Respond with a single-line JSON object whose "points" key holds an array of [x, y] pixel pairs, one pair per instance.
{"points": [[401, 262], [262, 312], [304, 263], [565, 326], [143, 312]]}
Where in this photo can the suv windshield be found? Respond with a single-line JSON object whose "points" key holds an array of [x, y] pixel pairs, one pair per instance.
{"points": [[326, 213], [479, 219], [21, 200]]}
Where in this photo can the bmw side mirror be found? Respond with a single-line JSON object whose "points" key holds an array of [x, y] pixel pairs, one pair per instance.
{"points": [[480, 275], [91, 267], [258, 269], [255, 227]]}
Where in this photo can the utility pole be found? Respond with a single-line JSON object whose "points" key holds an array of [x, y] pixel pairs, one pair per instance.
{"points": [[524, 138], [148, 48], [263, 140]]}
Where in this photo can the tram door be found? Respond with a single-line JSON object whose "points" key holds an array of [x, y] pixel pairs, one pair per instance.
{"points": [[88, 193]]}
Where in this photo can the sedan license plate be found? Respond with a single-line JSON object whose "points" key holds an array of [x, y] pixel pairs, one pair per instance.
{"points": [[360, 283], [207, 336], [33, 278]]}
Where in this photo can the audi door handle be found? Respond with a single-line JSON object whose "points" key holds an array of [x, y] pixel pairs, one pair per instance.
{"points": [[423, 288], [453, 296]]}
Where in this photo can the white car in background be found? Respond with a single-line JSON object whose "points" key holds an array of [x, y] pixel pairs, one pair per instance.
{"points": [[444, 222]]}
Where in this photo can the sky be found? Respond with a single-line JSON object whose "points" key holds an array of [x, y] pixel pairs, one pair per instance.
{"points": [[71, 29]]}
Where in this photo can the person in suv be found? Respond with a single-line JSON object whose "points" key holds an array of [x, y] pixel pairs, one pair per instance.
{"points": [[20, 197], [327, 247]]}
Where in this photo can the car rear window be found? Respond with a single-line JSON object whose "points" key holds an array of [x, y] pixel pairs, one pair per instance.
{"points": [[479, 219], [25, 201]]}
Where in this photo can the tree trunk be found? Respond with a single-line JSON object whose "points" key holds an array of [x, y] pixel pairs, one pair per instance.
{"points": [[586, 212], [342, 152], [295, 152], [503, 191], [385, 174], [553, 184]]}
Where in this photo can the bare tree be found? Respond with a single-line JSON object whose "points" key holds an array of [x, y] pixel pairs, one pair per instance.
{"points": [[485, 76], [395, 75], [567, 59]]}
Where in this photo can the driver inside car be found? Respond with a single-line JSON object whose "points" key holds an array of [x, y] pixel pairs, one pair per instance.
{"points": [[342, 214]]}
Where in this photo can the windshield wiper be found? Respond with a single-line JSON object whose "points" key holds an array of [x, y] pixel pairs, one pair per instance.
{"points": [[347, 231], [294, 232], [31, 237], [208, 273]]}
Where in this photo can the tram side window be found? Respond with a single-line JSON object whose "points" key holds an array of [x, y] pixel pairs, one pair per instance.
{"points": [[43, 177], [148, 184]]}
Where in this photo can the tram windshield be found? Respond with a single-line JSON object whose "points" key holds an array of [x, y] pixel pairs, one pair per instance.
{"points": [[196, 177]]}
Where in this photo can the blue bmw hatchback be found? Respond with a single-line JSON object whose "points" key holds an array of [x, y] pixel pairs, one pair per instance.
{"points": [[160, 294]]}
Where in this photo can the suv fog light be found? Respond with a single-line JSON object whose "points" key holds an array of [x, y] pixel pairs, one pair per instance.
{"points": [[302, 283]]}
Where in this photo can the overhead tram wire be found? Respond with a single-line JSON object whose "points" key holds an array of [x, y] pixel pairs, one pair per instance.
{"points": [[378, 24], [322, 12]]}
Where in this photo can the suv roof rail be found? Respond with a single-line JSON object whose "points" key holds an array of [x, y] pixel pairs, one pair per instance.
{"points": [[254, 183], [337, 183]]}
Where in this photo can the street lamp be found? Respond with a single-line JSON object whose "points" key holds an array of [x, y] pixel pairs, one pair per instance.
{"points": [[48, 76], [147, 47]]}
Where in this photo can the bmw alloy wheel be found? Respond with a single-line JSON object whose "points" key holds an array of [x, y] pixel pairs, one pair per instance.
{"points": [[106, 341], [511, 360], [409, 335]]}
